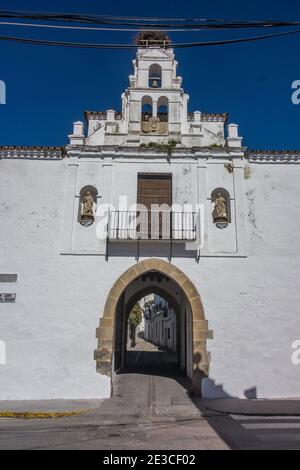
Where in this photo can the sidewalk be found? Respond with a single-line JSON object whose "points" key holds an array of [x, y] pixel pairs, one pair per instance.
{"points": [[65, 408], [264, 407], [46, 408]]}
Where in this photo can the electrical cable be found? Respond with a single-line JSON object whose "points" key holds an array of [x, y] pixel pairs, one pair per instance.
{"points": [[96, 28], [136, 21], [130, 46]]}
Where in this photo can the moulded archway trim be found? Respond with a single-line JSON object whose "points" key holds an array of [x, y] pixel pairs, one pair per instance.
{"points": [[105, 333]]}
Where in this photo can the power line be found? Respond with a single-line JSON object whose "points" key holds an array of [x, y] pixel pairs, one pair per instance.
{"points": [[137, 24], [142, 22], [130, 46], [95, 28]]}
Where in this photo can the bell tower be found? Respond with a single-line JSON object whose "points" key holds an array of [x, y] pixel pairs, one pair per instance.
{"points": [[155, 102], [155, 107]]}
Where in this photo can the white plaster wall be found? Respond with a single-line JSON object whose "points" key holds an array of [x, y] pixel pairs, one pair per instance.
{"points": [[50, 331], [252, 304], [252, 308]]}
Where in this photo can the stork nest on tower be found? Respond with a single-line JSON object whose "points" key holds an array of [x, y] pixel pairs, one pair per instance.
{"points": [[152, 38]]}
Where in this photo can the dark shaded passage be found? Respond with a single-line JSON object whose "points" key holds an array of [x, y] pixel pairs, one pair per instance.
{"points": [[152, 362], [147, 360]]}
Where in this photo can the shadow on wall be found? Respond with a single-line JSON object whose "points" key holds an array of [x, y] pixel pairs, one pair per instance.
{"points": [[210, 389], [147, 249]]}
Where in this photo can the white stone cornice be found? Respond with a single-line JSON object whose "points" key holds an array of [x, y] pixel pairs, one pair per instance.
{"points": [[273, 156], [127, 152], [32, 153]]}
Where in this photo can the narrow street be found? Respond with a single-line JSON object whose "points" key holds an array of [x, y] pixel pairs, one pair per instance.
{"points": [[147, 358], [152, 386]]}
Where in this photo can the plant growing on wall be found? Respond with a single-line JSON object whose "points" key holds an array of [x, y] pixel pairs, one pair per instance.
{"points": [[160, 147]]}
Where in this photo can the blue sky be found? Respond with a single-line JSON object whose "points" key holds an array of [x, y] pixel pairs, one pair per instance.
{"points": [[48, 88]]}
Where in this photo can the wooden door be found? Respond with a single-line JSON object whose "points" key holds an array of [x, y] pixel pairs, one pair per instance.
{"points": [[155, 189]]}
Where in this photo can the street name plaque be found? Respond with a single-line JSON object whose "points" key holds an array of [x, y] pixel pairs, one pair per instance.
{"points": [[8, 277], [7, 297]]}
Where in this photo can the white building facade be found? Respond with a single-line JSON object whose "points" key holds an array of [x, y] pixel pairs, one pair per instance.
{"points": [[160, 324], [228, 262]]}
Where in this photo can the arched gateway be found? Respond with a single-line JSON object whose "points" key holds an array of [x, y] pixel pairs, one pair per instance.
{"points": [[167, 280]]}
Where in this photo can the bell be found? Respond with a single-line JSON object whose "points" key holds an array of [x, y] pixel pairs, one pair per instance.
{"points": [[155, 81]]}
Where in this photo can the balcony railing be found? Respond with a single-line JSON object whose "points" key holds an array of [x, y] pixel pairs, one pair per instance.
{"points": [[153, 225]]}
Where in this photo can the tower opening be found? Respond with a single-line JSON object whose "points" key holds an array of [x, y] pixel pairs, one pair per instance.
{"points": [[155, 76], [146, 108], [162, 109]]}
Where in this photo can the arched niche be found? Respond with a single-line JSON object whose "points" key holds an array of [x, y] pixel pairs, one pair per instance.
{"points": [[221, 212], [87, 202]]}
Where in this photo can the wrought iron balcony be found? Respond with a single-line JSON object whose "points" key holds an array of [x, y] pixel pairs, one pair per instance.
{"points": [[153, 225]]}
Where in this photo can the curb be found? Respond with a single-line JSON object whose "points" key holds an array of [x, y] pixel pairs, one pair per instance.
{"points": [[252, 412], [40, 414]]}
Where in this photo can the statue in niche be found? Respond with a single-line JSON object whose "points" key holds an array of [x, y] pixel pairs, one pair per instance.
{"points": [[87, 206], [220, 212]]}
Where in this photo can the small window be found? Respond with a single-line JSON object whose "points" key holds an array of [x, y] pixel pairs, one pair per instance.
{"points": [[221, 214], [88, 200]]}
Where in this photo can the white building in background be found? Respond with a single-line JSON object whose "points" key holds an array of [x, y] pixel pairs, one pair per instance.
{"points": [[148, 310], [228, 265], [142, 302], [160, 324]]}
